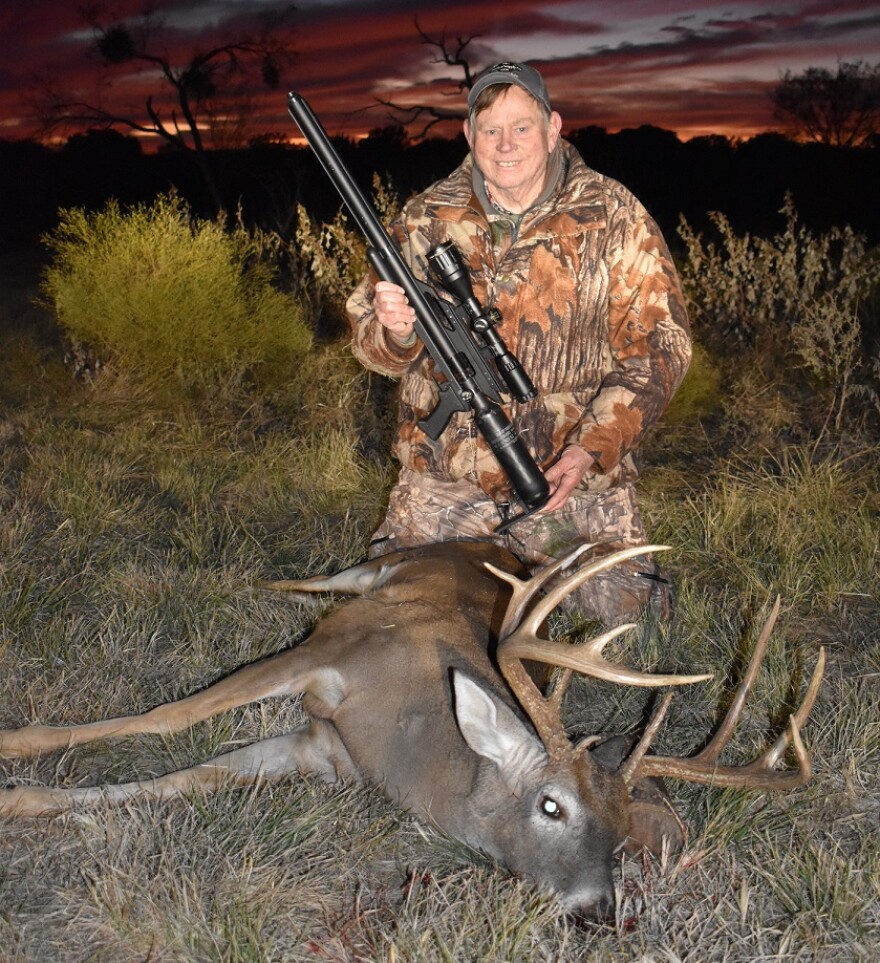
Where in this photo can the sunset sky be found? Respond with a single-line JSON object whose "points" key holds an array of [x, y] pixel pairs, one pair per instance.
{"points": [[692, 68]]}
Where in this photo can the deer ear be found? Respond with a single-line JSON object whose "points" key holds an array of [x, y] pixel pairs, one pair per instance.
{"points": [[492, 730], [360, 580]]}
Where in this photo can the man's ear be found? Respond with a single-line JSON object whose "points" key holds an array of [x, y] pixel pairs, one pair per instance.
{"points": [[555, 125], [466, 126]]}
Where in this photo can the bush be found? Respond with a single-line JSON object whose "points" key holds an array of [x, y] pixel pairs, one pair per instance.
{"points": [[699, 393], [332, 258], [758, 289], [162, 293], [771, 306]]}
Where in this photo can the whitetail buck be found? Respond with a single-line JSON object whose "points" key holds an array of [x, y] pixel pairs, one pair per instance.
{"points": [[418, 686]]}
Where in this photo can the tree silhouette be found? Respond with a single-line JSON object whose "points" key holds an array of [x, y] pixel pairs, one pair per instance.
{"points": [[453, 54], [841, 109], [205, 94]]}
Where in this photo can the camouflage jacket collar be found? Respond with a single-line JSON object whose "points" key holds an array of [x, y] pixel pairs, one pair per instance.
{"points": [[456, 200]]}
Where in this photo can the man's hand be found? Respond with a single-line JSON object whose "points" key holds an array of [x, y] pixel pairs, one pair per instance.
{"points": [[393, 310], [565, 474]]}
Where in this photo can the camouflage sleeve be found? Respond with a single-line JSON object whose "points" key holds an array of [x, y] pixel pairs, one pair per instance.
{"points": [[649, 339], [373, 345]]}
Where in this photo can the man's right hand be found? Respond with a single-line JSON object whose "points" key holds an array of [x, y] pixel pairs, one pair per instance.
{"points": [[393, 310]]}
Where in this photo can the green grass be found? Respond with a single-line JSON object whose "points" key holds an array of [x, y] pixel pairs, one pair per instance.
{"points": [[132, 534]]}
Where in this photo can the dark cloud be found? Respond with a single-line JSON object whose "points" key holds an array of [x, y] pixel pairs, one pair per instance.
{"points": [[618, 63]]}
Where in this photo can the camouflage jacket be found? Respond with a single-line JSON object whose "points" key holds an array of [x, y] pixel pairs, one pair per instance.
{"points": [[590, 304]]}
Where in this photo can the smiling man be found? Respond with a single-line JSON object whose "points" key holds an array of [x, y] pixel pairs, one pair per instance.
{"points": [[512, 136], [590, 304]]}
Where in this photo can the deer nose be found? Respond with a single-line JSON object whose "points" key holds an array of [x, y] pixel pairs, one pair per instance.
{"points": [[600, 911], [594, 903], [603, 909]]}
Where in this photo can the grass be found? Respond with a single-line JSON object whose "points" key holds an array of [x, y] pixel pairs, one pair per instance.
{"points": [[131, 536]]}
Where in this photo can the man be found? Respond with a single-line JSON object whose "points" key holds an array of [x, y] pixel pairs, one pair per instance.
{"points": [[590, 305]]}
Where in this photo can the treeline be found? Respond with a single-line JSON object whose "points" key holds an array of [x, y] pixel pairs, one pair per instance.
{"points": [[747, 181]]}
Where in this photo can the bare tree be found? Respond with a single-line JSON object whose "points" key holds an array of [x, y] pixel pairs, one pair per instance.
{"points": [[452, 53], [208, 93], [841, 109]]}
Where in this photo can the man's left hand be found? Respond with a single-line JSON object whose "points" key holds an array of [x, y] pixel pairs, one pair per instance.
{"points": [[565, 474]]}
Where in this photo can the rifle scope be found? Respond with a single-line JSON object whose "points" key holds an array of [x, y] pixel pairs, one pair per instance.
{"points": [[449, 269]]}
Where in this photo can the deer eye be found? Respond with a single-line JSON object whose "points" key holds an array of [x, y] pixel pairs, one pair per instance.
{"points": [[550, 808]]}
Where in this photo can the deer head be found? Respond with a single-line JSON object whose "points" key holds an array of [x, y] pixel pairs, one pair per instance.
{"points": [[611, 807]]}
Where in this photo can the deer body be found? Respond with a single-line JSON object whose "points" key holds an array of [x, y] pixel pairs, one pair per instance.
{"points": [[403, 689]]}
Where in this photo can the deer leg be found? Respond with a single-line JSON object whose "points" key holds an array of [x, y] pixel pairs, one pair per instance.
{"points": [[287, 673], [314, 747]]}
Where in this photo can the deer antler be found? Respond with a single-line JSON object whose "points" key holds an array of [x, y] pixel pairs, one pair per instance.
{"points": [[704, 768], [520, 641]]}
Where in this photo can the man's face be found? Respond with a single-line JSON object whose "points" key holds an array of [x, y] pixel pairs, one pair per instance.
{"points": [[511, 142]]}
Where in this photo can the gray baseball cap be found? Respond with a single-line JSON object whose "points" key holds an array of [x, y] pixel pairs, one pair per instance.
{"points": [[510, 73]]}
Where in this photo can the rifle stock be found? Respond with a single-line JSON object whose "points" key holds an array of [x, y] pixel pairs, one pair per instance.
{"points": [[475, 366]]}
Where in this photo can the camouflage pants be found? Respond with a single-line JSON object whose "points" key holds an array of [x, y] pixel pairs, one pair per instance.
{"points": [[423, 510]]}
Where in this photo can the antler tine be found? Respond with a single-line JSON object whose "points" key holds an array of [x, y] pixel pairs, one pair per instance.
{"points": [[581, 575], [717, 743], [798, 718], [522, 644], [628, 769], [525, 589], [561, 684], [758, 774], [587, 659]]}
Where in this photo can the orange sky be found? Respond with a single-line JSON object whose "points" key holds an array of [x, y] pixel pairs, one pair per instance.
{"points": [[692, 68]]}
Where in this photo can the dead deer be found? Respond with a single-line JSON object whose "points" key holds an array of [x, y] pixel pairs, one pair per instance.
{"points": [[420, 686]]}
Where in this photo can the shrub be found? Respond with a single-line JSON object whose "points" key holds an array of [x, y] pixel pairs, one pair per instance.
{"points": [[333, 257], [790, 301], [828, 343], [754, 288], [162, 293], [699, 393]]}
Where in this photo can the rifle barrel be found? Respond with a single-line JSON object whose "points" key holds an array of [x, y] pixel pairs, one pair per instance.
{"points": [[388, 263]]}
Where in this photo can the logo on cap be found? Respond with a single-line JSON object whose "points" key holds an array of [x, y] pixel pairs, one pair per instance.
{"points": [[507, 72]]}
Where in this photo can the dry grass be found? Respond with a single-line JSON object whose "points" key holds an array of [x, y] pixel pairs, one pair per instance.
{"points": [[130, 537]]}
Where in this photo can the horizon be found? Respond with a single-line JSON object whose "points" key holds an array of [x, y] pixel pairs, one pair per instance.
{"points": [[614, 65]]}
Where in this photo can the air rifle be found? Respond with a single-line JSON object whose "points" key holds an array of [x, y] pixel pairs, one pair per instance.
{"points": [[473, 363]]}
